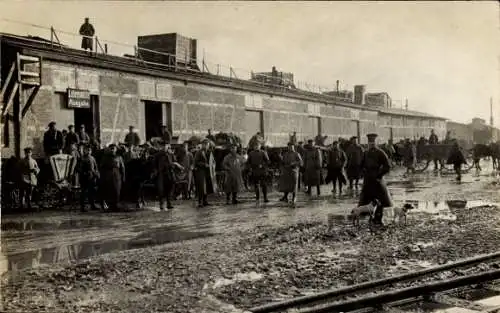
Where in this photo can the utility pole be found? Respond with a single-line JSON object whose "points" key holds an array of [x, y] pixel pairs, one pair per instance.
{"points": [[406, 104], [491, 111]]}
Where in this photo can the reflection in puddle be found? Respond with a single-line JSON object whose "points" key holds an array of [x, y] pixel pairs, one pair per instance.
{"points": [[87, 249]]}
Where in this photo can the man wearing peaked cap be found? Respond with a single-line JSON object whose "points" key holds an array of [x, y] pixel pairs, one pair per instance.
{"points": [[375, 166]]}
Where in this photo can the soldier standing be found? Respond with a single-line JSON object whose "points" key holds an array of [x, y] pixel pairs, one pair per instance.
{"points": [[52, 140], [164, 171], [456, 158], [354, 154], [71, 138], [29, 170], [313, 163], [289, 179], [375, 165], [132, 138], [203, 177], [258, 162], [336, 164], [112, 178], [87, 31], [88, 175], [233, 165]]}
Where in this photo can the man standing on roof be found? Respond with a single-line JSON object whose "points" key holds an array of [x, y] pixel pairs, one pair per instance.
{"points": [[87, 31]]}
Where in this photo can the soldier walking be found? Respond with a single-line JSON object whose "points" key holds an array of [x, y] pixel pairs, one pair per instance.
{"points": [[375, 165], [258, 163]]}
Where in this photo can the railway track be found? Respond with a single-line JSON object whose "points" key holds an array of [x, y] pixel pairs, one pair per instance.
{"points": [[460, 287]]}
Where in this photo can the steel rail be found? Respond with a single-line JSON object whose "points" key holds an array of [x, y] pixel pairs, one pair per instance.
{"points": [[375, 301], [304, 300]]}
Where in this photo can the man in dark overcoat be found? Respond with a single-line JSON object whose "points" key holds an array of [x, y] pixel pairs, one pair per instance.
{"points": [[164, 171], [53, 141], [375, 165], [313, 162], [71, 139], [132, 139], [203, 177], [258, 163], [87, 31], [289, 178], [112, 177], [336, 164], [354, 154]]}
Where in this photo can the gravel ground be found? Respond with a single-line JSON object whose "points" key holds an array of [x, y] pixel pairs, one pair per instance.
{"points": [[249, 268]]}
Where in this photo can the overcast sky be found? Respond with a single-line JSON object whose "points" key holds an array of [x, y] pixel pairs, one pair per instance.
{"points": [[444, 57]]}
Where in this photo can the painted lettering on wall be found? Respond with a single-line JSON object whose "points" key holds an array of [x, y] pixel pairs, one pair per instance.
{"points": [[78, 98]]}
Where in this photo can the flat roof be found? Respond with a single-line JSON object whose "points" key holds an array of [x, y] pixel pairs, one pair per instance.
{"points": [[65, 54]]}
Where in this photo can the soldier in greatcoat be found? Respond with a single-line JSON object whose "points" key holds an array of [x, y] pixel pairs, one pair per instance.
{"points": [[258, 163], [375, 165], [88, 172], [112, 177], [354, 154], [313, 162], [289, 179], [233, 166], [164, 172], [204, 176], [336, 164], [87, 31], [53, 141], [30, 170]]}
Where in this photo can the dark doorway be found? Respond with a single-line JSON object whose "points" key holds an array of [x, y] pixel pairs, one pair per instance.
{"points": [[154, 118], [89, 118]]}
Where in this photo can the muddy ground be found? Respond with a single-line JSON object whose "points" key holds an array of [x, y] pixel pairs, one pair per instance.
{"points": [[228, 258]]}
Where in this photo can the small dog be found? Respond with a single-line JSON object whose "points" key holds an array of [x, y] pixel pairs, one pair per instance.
{"points": [[368, 209], [401, 212]]}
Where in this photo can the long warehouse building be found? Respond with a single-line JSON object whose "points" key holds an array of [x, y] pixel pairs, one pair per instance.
{"points": [[42, 82]]}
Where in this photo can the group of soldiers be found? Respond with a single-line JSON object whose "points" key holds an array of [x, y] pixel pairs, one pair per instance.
{"points": [[346, 163]]}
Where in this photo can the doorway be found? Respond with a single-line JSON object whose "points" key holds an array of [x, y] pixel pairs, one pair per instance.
{"points": [[89, 117], [253, 123], [153, 112]]}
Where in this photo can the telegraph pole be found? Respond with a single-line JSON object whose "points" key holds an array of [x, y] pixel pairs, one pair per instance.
{"points": [[491, 111]]}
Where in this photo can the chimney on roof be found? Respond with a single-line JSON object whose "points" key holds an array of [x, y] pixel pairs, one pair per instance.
{"points": [[359, 94]]}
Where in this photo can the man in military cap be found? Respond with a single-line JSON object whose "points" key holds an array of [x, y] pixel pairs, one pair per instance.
{"points": [[375, 165], [203, 174], [52, 140], [164, 170], [258, 163]]}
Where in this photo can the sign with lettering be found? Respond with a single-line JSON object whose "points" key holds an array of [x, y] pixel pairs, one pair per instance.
{"points": [[78, 98]]}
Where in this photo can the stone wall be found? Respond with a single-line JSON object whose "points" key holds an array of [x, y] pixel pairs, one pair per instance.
{"points": [[194, 108]]}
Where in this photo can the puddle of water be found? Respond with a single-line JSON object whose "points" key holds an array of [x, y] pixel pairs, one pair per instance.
{"points": [[87, 249], [443, 209], [51, 225]]}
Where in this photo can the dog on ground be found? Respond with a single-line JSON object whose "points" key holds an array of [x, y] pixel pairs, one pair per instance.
{"points": [[363, 210], [401, 212]]}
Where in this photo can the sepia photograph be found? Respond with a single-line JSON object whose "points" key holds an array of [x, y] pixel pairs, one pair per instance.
{"points": [[250, 156]]}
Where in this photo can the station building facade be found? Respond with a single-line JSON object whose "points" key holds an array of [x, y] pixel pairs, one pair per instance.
{"points": [[124, 92]]}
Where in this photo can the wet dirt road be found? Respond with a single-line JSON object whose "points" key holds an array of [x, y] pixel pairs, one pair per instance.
{"points": [[224, 258], [29, 240]]}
